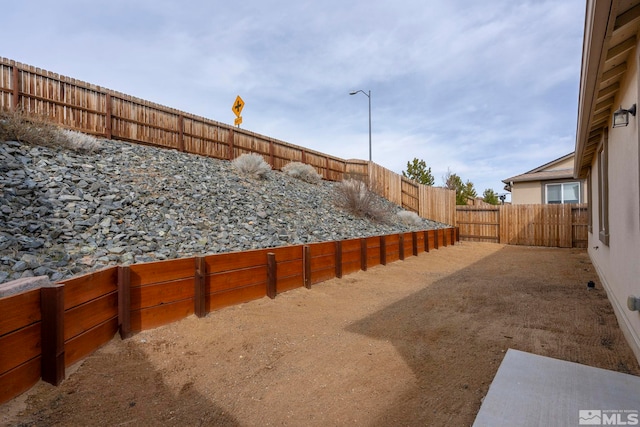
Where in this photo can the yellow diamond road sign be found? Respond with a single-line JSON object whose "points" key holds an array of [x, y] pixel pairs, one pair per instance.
{"points": [[237, 121], [237, 106]]}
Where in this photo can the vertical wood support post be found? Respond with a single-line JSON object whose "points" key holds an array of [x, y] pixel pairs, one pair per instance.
{"points": [[363, 254], [383, 250], [436, 238], [271, 156], [401, 246], [107, 120], [200, 291], [52, 334], [457, 234], [338, 259], [181, 133], [230, 143], [272, 275], [124, 301], [326, 175], [426, 241], [16, 87], [444, 237], [453, 236], [414, 243], [306, 264]]}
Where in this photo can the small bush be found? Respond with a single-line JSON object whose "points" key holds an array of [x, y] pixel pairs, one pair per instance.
{"points": [[29, 129], [302, 171], [38, 130], [252, 165], [82, 142], [409, 218], [355, 197]]}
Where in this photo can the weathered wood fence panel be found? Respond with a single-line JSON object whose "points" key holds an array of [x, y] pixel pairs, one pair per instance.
{"points": [[103, 112], [561, 226]]}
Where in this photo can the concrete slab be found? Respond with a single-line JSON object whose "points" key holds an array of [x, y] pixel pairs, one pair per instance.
{"points": [[532, 390]]}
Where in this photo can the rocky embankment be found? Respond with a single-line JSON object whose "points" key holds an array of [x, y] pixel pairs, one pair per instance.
{"points": [[64, 213]]}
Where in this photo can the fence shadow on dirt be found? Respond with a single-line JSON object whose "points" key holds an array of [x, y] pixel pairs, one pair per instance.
{"points": [[530, 299], [151, 396]]}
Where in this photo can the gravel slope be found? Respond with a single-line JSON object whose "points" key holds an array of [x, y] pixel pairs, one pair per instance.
{"points": [[63, 213]]}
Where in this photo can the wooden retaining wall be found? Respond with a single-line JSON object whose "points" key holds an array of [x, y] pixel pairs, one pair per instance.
{"points": [[45, 330], [106, 113]]}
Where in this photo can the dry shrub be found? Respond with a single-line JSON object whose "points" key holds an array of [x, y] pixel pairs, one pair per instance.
{"points": [[355, 197], [37, 130], [302, 171], [252, 165], [409, 218]]}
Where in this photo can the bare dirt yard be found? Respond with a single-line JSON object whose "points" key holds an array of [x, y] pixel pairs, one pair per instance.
{"points": [[417, 342]]}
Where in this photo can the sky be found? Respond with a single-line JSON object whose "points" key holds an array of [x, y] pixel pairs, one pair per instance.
{"points": [[483, 89]]}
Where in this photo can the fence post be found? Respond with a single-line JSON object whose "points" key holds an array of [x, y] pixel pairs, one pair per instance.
{"points": [[363, 254], [52, 334], [401, 246], [326, 175], [181, 133], [383, 250], [200, 292], [306, 263], [338, 259], [108, 125], [272, 275], [16, 87], [457, 234], [230, 143], [436, 238], [414, 242], [271, 150], [124, 301], [426, 240]]}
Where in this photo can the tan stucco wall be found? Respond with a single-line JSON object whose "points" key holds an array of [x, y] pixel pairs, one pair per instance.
{"points": [[618, 264], [566, 164], [532, 192], [524, 193]]}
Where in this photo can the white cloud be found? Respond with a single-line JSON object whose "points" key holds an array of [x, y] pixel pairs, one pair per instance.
{"points": [[487, 89]]}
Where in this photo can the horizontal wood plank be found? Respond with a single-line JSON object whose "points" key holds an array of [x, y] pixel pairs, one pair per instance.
{"points": [[161, 293], [19, 379], [236, 279], [79, 290], [86, 316], [162, 271], [236, 296], [231, 261], [152, 317], [18, 311], [89, 341], [19, 347]]}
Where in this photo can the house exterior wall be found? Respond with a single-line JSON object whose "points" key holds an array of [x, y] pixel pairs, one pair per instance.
{"points": [[532, 192], [526, 193], [618, 264]]}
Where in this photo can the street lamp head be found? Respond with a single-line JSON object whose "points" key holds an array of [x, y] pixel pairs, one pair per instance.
{"points": [[353, 92]]}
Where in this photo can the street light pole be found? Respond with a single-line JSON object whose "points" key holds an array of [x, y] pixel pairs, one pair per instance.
{"points": [[368, 95]]}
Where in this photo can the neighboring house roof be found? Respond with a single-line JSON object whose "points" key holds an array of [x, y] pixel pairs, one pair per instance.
{"points": [[611, 29], [545, 172]]}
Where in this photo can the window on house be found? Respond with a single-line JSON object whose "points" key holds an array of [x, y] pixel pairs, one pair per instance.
{"points": [[566, 192]]}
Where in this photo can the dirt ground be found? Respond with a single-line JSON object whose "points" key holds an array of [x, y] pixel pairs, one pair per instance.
{"points": [[417, 342]]}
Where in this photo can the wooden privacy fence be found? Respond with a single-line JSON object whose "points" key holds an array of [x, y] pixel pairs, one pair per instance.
{"points": [[563, 226], [106, 113], [44, 330]]}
